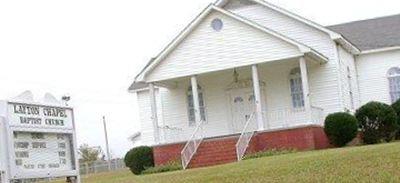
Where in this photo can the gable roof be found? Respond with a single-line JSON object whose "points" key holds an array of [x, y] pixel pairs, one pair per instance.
{"points": [[303, 48], [334, 35], [372, 34], [221, 3]]}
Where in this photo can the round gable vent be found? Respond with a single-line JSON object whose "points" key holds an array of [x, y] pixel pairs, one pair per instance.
{"points": [[217, 24]]}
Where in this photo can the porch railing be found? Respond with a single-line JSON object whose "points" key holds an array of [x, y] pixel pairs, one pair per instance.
{"points": [[317, 115], [289, 117], [171, 134], [192, 145], [245, 136]]}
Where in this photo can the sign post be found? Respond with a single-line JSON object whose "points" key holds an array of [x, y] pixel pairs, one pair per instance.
{"points": [[39, 142]]}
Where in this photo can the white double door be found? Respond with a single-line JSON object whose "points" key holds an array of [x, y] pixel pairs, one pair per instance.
{"points": [[242, 102]]}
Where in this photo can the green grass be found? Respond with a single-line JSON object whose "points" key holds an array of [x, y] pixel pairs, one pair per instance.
{"points": [[272, 152], [374, 163]]}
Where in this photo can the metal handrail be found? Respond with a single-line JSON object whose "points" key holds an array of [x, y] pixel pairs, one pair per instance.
{"points": [[244, 139], [192, 145]]}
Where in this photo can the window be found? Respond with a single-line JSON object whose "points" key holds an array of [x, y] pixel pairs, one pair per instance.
{"points": [[394, 83], [296, 88], [191, 112], [349, 80], [217, 24]]}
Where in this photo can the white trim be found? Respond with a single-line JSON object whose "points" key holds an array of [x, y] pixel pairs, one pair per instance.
{"points": [[380, 50], [302, 48]]}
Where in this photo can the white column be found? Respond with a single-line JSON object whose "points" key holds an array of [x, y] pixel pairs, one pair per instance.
{"points": [[306, 89], [154, 116], [257, 96], [195, 95]]}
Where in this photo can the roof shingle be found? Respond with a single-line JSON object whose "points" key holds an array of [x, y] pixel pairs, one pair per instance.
{"points": [[373, 33]]}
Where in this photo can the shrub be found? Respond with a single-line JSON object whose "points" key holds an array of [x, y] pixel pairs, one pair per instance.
{"points": [[341, 128], [396, 107], [378, 122], [272, 152], [139, 158], [170, 166]]}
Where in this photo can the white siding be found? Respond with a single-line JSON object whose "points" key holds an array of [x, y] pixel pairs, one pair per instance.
{"points": [[323, 81], [146, 123], [372, 71], [206, 50], [347, 61], [288, 27]]}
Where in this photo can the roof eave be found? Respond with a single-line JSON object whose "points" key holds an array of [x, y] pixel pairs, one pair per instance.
{"points": [[347, 45], [391, 48]]}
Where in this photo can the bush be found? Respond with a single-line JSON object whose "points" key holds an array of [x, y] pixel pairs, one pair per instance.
{"points": [[341, 128], [272, 152], [170, 166], [139, 158], [396, 107], [378, 122]]}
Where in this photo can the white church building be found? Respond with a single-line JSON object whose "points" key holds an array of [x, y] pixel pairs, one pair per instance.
{"points": [[246, 76]]}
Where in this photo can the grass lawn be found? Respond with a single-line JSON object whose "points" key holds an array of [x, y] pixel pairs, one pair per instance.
{"points": [[374, 163]]}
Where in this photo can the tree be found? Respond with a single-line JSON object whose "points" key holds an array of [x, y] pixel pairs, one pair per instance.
{"points": [[89, 154]]}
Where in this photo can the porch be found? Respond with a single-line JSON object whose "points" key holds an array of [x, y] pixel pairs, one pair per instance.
{"points": [[224, 101], [228, 103]]}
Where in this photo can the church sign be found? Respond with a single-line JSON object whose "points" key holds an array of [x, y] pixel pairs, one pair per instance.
{"points": [[40, 141]]}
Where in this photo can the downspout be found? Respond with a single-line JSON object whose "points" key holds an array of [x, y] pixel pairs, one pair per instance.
{"points": [[357, 81]]}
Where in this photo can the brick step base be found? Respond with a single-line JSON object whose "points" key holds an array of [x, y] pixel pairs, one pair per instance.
{"points": [[221, 150], [215, 152]]}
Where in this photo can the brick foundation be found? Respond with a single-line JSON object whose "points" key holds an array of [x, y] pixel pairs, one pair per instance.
{"points": [[222, 150], [166, 153]]}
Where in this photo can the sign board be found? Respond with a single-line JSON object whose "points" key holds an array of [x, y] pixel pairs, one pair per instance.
{"points": [[35, 152], [35, 116], [40, 141]]}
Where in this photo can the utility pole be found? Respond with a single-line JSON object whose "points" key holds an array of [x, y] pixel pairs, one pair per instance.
{"points": [[107, 147]]}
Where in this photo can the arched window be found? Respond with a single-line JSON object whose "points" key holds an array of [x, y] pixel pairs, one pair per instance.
{"points": [[394, 83], [191, 113], [296, 88]]}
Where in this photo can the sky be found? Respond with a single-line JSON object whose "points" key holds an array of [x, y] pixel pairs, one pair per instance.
{"points": [[92, 50]]}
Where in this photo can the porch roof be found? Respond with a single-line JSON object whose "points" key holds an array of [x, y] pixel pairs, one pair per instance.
{"points": [[140, 78]]}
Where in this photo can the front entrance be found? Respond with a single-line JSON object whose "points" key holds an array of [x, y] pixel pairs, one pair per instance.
{"points": [[242, 103]]}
